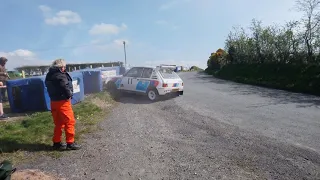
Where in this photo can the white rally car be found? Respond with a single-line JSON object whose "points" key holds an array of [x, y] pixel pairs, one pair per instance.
{"points": [[153, 82]]}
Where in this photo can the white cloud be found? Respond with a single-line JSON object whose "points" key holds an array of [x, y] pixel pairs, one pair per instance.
{"points": [[64, 17], [45, 9], [21, 57], [107, 29]]}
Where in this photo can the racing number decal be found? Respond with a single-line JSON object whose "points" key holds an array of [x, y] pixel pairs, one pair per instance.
{"points": [[129, 82]]}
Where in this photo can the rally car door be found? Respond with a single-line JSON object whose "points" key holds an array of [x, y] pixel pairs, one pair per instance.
{"points": [[144, 81], [130, 80]]}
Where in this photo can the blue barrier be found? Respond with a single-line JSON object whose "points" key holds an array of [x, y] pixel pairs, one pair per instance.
{"points": [[178, 68], [78, 87], [30, 94], [92, 80], [109, 71], [122, 70]]}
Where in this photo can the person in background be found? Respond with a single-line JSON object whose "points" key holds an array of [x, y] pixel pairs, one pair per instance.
{"points": [[3, 77], [60, 90], [2, 115]]}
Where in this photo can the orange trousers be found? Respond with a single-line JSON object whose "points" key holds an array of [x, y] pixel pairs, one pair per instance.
{"points": [[63, 118]]}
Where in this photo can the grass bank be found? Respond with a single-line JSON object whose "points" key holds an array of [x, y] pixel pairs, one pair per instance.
{"points": [[30, 136], [295, 78]]}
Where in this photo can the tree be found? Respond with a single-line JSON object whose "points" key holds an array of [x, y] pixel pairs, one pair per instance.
{"points": [[43, 69], [231, 54], [311, 23], [257, 31]]}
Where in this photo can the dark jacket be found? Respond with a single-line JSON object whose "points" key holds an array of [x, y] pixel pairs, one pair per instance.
{"points": [[3, 77], [59, 84]]}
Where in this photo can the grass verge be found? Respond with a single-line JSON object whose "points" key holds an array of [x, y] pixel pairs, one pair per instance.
{"points": [[31, 136]]}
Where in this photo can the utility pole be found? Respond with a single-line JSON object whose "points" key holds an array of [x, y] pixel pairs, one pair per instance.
{"points": [[125, 53]]}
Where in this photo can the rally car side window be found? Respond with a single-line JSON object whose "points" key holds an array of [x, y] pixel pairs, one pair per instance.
{"points": [[147, 73], [134, 72]]}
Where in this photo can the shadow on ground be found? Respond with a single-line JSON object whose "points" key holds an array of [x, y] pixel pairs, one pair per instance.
{"points": [[276, 96], [130, 98], [8, 146], [7, 110]]}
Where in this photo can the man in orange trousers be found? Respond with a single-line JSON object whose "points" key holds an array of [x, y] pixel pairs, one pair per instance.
{"points": [[60, 90]]}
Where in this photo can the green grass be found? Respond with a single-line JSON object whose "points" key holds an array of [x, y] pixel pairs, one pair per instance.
{"points": [[32, 134]]}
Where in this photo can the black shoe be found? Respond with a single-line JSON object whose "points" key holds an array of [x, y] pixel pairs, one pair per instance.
{"points": [[59, 146], [3, 117], [73, 146]]}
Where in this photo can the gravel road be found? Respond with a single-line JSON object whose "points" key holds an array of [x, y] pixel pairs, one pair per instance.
{"points": [[217, 130]]}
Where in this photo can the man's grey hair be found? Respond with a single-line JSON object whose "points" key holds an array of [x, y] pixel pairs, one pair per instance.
{"points": [[59, 63]]}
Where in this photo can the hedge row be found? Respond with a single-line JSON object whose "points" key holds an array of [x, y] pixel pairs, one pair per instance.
{"points": [[296, 78]]}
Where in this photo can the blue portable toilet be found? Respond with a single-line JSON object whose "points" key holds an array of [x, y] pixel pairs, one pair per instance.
{"points": [[30, 94], [92, 80]]}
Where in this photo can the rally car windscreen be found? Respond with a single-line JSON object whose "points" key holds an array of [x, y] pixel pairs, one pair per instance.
{"points": [[168, 73]]}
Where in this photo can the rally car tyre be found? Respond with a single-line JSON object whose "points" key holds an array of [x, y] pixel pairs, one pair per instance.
{"points": [[153, 94], [114, 92]]}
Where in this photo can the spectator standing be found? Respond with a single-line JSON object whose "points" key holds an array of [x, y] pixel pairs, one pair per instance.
{"points": [[60, 90], [2, 115], [3, 77]]}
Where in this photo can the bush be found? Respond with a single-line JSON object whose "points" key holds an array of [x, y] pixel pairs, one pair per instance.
{"points": [[297, 78]]}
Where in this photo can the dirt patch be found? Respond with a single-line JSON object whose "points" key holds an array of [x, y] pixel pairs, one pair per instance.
{"points": [[101, 103], [30, 174]]}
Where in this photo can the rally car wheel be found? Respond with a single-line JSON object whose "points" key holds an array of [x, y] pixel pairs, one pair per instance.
{"points": [[152, 94], [114, 92]]}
